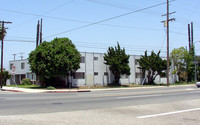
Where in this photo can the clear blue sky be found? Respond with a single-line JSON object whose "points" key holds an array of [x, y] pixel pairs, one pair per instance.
{"points": [[136, 32]]}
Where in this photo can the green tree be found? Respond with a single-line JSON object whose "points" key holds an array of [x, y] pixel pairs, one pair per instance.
{"points": [[2, 33], [183, 64], [153, 65], [52, 59], [178, 57], [118, 62], [198, 67], [190, 67], [6, 76]]}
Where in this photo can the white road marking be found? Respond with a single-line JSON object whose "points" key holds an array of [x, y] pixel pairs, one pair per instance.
{"points": [[168, 113]]}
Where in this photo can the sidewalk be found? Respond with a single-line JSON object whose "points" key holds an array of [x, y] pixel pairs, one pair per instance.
{"points": [[26, 90], [17, 89]]}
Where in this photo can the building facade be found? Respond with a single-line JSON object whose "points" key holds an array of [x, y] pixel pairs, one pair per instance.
{"points": [[92, 72]]}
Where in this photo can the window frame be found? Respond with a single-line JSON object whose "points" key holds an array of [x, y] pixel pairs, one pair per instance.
{"points": [[96, 73], [95, 58], [22, 65], [82, 59], [11, 66], [79, 75]]}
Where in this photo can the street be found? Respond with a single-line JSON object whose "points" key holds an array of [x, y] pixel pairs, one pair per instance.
{"points": [[160, 105]]}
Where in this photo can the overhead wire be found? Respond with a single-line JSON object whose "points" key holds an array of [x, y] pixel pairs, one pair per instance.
{"points": [[40, 15], [19, 40], [79, 21], [120, 26], [125, 14]]}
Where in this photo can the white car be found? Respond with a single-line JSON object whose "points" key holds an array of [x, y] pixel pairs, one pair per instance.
{"points": [[198, 84]]}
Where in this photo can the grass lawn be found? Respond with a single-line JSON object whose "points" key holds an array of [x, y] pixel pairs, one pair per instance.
{"points": [[27, 86], [100, 87]]}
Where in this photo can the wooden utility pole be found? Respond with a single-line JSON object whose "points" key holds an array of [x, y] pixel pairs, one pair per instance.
{"points": [[37, 35], [167, 25], [3, 29], [21, 55], [41, 31], [14, 56], [189, 40], [167, 42], [192, 39]]}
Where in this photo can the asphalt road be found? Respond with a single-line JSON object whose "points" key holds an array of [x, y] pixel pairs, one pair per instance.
{"points": [[164, 105]]}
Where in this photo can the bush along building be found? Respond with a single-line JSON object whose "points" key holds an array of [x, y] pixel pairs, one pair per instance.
{"points": [[92, 72]]}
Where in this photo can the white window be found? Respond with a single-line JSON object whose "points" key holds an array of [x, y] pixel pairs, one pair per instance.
{"points": [[11, 65], [22, 65], [105, 73], [79, 75], [82, 59], [96, 73], [138, 75], [95, 58]]}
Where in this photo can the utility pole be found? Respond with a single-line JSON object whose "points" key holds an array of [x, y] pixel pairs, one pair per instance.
{"points": [[14, 56], [167, 25], [3, 22], [21, 55], [37, 36], [190, 36], [192, 41], [41, 32], [189, 40]]}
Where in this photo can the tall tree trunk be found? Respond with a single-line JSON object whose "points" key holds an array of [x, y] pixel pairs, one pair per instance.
{"points": [[117, 77], [148, 76], [69, 84]]}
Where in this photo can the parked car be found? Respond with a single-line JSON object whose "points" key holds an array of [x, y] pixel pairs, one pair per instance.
{"points": [[198, 84]]}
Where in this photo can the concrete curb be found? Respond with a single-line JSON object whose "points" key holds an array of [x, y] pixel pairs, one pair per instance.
{"points": [[72, 91], [11, 90]]}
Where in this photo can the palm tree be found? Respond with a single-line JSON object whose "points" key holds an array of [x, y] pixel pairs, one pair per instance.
{"points": [[2, 33]]}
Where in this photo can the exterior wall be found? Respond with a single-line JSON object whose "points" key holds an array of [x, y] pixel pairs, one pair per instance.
{"points": [[17, 65], [94, 70], [100, 70], [89, 69], [20, 72], [80, 82], [137, 71]]}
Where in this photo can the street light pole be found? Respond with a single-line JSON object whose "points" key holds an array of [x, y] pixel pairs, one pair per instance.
{"points": [[195, 67]]}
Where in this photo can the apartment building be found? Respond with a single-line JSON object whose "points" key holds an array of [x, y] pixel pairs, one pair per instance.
{"points": [[92, 72]]}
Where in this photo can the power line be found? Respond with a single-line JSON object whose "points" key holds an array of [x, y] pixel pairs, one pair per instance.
{"points": [[21, 37], [126, 46], [93, 45], [9, 40], [109, 4], [79, 21], [105, 48], [36, 14], [119, 5], [125, 14]]}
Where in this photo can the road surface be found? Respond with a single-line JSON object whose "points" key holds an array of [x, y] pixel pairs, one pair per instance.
{"points": [[162, 105]]}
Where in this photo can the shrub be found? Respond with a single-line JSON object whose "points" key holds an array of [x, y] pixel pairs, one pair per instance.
{"points": [[26, 82], [50, 88]]}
